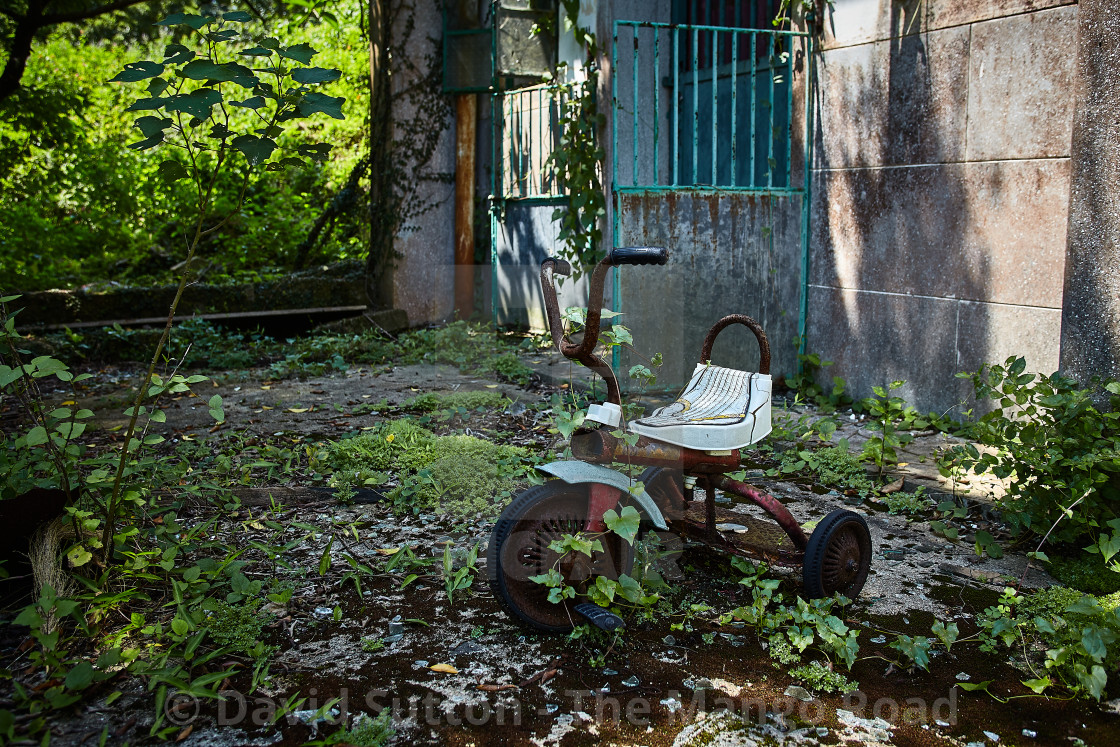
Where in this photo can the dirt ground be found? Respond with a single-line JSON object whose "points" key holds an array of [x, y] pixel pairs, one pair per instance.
{"points": [[506, 685]]}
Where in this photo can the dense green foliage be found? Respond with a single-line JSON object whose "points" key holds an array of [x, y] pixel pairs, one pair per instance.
{"points": [[460, 475], [77, 206], [1059, 450]]}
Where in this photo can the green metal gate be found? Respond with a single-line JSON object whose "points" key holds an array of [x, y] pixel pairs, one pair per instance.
{"points": [[702, 109]]}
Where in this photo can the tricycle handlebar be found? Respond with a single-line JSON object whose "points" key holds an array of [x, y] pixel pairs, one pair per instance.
{"points": [[584, 351]]}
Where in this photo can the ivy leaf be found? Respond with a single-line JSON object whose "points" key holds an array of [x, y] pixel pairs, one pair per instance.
{"points": [[311, 75], [1038, 685], [135, 71], [630, 589], [237, 16], [1094, 680], [196, 103], [196, 22], [625, 525], [301, 53], [1093, 643], [947, 634], [256, 52], [157, 86], [78, 556], [606, 586], [256, 149], [172, 171], [1086, 605], [319, 102]]}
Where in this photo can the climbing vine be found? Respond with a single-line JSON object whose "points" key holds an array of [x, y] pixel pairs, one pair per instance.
{"points": [[578, 161]]}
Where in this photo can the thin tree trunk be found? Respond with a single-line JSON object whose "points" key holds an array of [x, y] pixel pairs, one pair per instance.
{"points": [[382, 223], [20, 52]]}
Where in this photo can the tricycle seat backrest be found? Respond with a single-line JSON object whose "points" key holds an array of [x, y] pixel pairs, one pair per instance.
{"points": [[719, 408]]}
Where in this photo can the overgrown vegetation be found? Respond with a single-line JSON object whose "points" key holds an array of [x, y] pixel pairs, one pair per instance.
{"points": [[1057, 448], [63, 163], [465, 477]]}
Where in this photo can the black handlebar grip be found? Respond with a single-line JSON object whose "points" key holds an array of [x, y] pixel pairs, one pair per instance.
{"points": [[638, 255]]}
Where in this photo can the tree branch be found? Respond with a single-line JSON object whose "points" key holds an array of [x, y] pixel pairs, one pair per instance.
{"points": [[81, 15]]}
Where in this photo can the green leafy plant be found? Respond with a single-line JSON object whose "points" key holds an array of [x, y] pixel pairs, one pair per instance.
{"points": [[578, 161], [810, 367], [461, 577], [793, 629], [834, 466], [1068, 639], [888, 413], [622, 594], [197, 92], [1057, 450], [820, 677]]}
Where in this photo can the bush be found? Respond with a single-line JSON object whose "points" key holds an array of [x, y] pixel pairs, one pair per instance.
{"points": [[1058, 449]]}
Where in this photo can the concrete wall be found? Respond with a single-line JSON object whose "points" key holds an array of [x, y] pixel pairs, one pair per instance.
{"points": [[940, 189], [1091, 309]]}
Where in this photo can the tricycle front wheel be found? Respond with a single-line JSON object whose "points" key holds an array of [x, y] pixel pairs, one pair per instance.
{"points": [[519, 549]]}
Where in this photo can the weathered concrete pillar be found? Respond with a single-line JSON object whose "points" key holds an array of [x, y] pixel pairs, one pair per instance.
{"points": [[1091, 305]]}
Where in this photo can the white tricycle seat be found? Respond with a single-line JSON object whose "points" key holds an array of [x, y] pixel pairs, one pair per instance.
{"points": [[718, 410]]}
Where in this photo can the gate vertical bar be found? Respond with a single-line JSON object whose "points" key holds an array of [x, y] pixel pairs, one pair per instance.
{"points": [[656, 100], [715, 102], [676, 106], [634, 113], [614, 109], [695, 105], [754, 104], [770, 131], [734, 100], [789, 114]]}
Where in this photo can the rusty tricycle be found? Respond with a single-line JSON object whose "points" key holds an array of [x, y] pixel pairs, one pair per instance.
{"points": [[687, 446]]}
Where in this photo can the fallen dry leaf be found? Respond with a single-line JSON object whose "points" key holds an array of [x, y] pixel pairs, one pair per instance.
{"points": [[444, 668], [496, 688], [892, 487], [388, 550]]}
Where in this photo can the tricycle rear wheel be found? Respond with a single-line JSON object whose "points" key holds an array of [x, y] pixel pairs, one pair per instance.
{"points": [[519, 549], [838, 556]]}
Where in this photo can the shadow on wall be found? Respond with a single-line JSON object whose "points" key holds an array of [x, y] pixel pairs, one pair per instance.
{"points": [[525, 238], [890, 243]]}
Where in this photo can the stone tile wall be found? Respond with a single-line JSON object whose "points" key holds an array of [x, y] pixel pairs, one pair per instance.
{"points": [[940, 190]]}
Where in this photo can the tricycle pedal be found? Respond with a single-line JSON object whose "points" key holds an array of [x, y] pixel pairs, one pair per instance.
{"points": [[599, 617]]}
